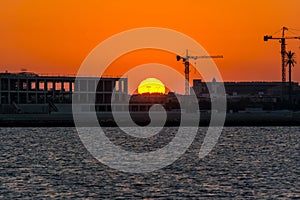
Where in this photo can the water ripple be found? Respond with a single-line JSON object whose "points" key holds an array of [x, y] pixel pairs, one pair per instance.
{"points": [[247, 163]]}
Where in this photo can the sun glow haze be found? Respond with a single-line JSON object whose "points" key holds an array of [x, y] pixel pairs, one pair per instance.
{"points": [[54, 37], [151, 85]]}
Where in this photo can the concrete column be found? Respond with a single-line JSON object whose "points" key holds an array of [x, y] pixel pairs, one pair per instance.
{"points": [[70, 86], [53, 89], [86, 85], [113, 85], [125, 86], [8, 90], [54, 85], [18, 90], [78, 85], [45, 90], [87, 90], [29, 84], [0, 91], [62, 85], [37, 86], [27, 97], [36, 91], [120, 85], [45, 85]]}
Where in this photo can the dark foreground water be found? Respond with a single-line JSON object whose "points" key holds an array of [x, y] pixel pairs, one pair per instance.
{"points": [[248, 162]]}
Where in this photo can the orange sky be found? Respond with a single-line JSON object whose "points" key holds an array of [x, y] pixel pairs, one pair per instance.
{"points": [[55, 36]]}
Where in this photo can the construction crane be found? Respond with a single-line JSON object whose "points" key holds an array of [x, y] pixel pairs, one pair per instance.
{"points": [[283, 48], [186, 62]]}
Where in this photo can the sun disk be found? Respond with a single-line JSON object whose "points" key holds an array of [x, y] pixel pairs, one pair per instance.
{"points": [[151, 85]]}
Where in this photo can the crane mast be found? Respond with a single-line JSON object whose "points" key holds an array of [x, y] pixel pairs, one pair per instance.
{"points": [[186, 62], [282, 40]]}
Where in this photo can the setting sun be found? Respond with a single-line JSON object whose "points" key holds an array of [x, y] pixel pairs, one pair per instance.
{"points": [[151, 85]]}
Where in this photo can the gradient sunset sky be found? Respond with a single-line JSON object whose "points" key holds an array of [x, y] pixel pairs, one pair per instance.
{"points": [[55, 36]]}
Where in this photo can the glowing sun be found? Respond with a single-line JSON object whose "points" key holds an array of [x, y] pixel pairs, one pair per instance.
{"points": [[151, 85]]}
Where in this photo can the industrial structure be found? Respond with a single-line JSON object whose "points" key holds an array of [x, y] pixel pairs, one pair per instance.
{"points": [[282, 40], [186, 62], [27, 92], [31, 99], [243, 95]]}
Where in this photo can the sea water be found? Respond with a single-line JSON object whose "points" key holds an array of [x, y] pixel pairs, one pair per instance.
{"points": [[247, 162]]}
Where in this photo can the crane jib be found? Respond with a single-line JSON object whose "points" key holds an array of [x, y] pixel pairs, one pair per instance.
{"points": [[187, 69]]}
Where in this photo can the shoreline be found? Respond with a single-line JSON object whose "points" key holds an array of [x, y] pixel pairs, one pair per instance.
{"points": [[273, 118]]}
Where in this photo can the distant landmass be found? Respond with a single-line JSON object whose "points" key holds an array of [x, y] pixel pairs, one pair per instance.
{"points": [[34, 100]]}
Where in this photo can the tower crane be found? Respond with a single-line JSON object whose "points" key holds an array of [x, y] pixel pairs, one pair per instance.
{"points": [[282, 40], [186, 62]]}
